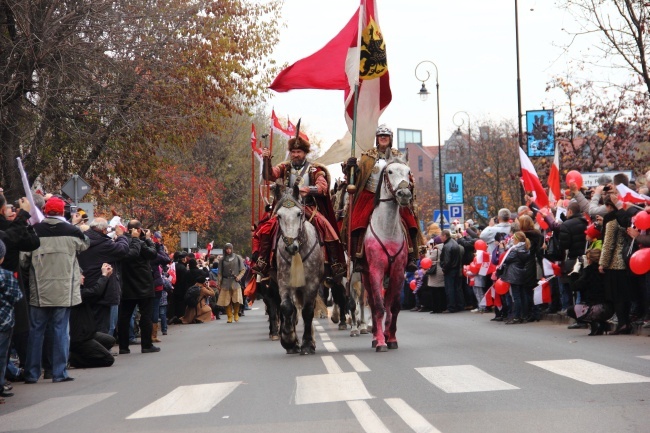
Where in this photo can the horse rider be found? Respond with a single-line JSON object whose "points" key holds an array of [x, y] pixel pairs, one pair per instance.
{"points": [[312, 180], [367, 174], [231, 271]]}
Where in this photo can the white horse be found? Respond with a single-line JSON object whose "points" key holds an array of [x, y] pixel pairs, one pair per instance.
{"points": [[386, 251], [300, 271]]}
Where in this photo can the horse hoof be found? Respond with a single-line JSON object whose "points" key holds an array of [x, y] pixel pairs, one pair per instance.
{"points": [[275, 338], [374, 343], [364, 331], [343, 327], [392, 344], [293, 350], [354, 333], [307, 351], [381, 349]]}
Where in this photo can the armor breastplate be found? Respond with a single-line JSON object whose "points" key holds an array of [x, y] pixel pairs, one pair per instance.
{"points": [[294, 173], [373, 180], [230, 268]]}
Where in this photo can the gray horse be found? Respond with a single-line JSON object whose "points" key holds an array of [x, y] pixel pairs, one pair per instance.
{"points": [[300, 271]]}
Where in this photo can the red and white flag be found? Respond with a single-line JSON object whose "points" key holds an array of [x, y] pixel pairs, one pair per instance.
{"points": [[291, 130], [209, 248], [554, 176], [541, 221], [531, 180], [356, 55], [551, 268], [625, 194], [490, 299], [277, 126], [542, 293], [256, 150]]}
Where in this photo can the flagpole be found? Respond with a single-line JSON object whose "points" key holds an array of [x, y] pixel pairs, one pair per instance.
{"points": [[252, 193]]}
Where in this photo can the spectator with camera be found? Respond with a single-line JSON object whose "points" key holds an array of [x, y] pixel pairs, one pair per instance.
{"points": [[162, 259], [137, 288], [102, 250], [197, 308]]}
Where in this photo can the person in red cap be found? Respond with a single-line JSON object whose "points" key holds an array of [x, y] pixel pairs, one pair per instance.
{"points": [[54, 287], [594, 237]]}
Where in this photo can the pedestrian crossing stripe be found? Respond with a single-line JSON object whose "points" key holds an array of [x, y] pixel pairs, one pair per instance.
{"points": [[327, 388], [463, 378], [189, 399], [589, 372]]}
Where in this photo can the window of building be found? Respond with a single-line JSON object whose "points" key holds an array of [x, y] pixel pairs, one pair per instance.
{"points": [[405, 136], [420, 163]]}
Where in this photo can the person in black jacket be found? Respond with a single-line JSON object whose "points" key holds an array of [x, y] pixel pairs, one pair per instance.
{"points": [[182, 283], [514, 272], [531, 312], [594, 309], [137, 288], [102, 250], [89, 348], [450, 262], [162, 259]]}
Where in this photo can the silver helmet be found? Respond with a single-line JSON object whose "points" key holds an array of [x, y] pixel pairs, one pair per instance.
{"points": [[384, 130]]}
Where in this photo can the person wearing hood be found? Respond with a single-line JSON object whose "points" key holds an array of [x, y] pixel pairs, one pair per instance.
{"points": [[231, 272], [102, 250]]}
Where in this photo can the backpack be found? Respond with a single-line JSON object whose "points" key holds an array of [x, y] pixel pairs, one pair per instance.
{"points": [[469, 250], [554, 251], [192, 296]]}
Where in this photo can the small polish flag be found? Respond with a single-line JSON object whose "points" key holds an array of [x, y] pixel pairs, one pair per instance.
{"points": [[540, 220], [625, 194], [551, 268], [554, 176], [542, 293], [531, 180]]}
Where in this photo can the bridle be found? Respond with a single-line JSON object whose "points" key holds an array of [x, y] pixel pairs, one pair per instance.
{"points": [[288, 241], [389, 185]]}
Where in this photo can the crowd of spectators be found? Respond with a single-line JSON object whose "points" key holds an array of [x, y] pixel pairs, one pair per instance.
{"points": [[71, 289], [580, 248]]}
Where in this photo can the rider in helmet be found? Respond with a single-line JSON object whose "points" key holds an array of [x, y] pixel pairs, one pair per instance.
{"points": [[366, 179]]}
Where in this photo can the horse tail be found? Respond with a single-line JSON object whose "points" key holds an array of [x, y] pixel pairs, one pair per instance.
{"points": [[320, 308], [297, 277]]}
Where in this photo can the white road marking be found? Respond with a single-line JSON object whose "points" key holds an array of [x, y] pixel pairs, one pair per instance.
{"points": [[319, 328], [463, 378], [589, 372], [368, 419], [43, 413], [331, 365], [356, 363], [326, 388], [644, 357], [410, 416], [323, 336], [330, 347], [187, 400]]}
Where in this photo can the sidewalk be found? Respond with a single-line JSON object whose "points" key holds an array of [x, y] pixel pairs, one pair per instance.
{"points": [[562, 319]]}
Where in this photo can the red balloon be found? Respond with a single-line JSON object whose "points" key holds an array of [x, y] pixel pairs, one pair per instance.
{"points": [[425, 263], [501, 287], [640, 261], [642, 220], [471, 281], [474, 267], [412, 285], [480, 245], [574, 176]]}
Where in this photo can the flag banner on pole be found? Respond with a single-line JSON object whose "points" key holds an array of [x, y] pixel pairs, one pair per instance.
{"points": [[541, 221], [554, 176], [257, 151], [551, 268], [277, 126], [36, 216], [531, 180], [356, 55], [625, 194], [291, 129], [542, 293]]}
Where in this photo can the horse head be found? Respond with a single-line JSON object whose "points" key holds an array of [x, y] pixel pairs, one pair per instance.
{"points": [[395, 181], [291, 216]]}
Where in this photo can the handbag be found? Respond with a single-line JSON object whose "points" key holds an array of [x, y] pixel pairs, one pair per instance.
{"points": [[433, 270]]}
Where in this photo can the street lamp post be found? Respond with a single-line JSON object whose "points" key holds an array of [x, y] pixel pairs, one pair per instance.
{"points": [[469, 128], [423, 96]]}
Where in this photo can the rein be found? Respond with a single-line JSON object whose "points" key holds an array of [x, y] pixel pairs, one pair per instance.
{"points": [[389, 185]]}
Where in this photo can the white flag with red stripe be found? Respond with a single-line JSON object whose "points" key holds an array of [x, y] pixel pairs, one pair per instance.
{"points": [[531, 180], [554, 177], [542, 293], [277, 126], [625, 194], [551, 268]]}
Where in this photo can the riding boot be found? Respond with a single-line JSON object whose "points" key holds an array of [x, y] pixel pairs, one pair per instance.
{"points": [[229, 313], [236, 312], [337, 267], [356, 251], [412, 265], [154, 333], [261, 266]]}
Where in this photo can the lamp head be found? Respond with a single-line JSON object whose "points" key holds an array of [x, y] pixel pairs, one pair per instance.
{"points": [[424, 93]]}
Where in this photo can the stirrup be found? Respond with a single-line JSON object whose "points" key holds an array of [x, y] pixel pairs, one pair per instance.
{"points": [[338, 270], [261, 267]]}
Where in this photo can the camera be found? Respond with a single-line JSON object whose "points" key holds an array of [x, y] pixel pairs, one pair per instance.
{"points": [[607, 188]]}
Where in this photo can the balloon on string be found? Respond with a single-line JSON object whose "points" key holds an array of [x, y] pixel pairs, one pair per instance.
{"points": [[501, 287], [412, 285], [474, 267], [640, 261], [425, 263], [642, 220], [574, 176], [480, 245]]}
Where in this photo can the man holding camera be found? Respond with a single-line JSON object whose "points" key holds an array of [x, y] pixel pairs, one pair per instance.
{"points": [[137, 288]]}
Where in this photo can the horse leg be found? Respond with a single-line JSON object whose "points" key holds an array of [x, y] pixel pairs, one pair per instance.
{"points": [[335, 314], [288, 338], [338, 295], [377, 309], [308, 344], [353, 314], [393, 305]]}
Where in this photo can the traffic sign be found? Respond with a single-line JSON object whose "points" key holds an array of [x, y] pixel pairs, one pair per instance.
{"points": [[454, 188], [456, 211], [188, 240], [75, 188], [445, 218]]}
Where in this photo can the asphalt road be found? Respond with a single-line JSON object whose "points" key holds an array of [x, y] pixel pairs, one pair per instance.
{"points": [[451, 374]]}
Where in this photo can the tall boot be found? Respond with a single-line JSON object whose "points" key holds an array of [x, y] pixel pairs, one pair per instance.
{"points": [[236, 313], [229, 313], [357, 250], [261, 266], [154, 333], [333, 254]]}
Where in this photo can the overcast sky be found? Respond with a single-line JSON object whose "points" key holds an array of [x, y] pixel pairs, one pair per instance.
{"points": [[471, 41]]}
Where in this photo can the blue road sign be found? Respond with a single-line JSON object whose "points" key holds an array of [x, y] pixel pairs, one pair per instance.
{"points": [[445, 216], [454, 188], [456, 211], [481, 205]]}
